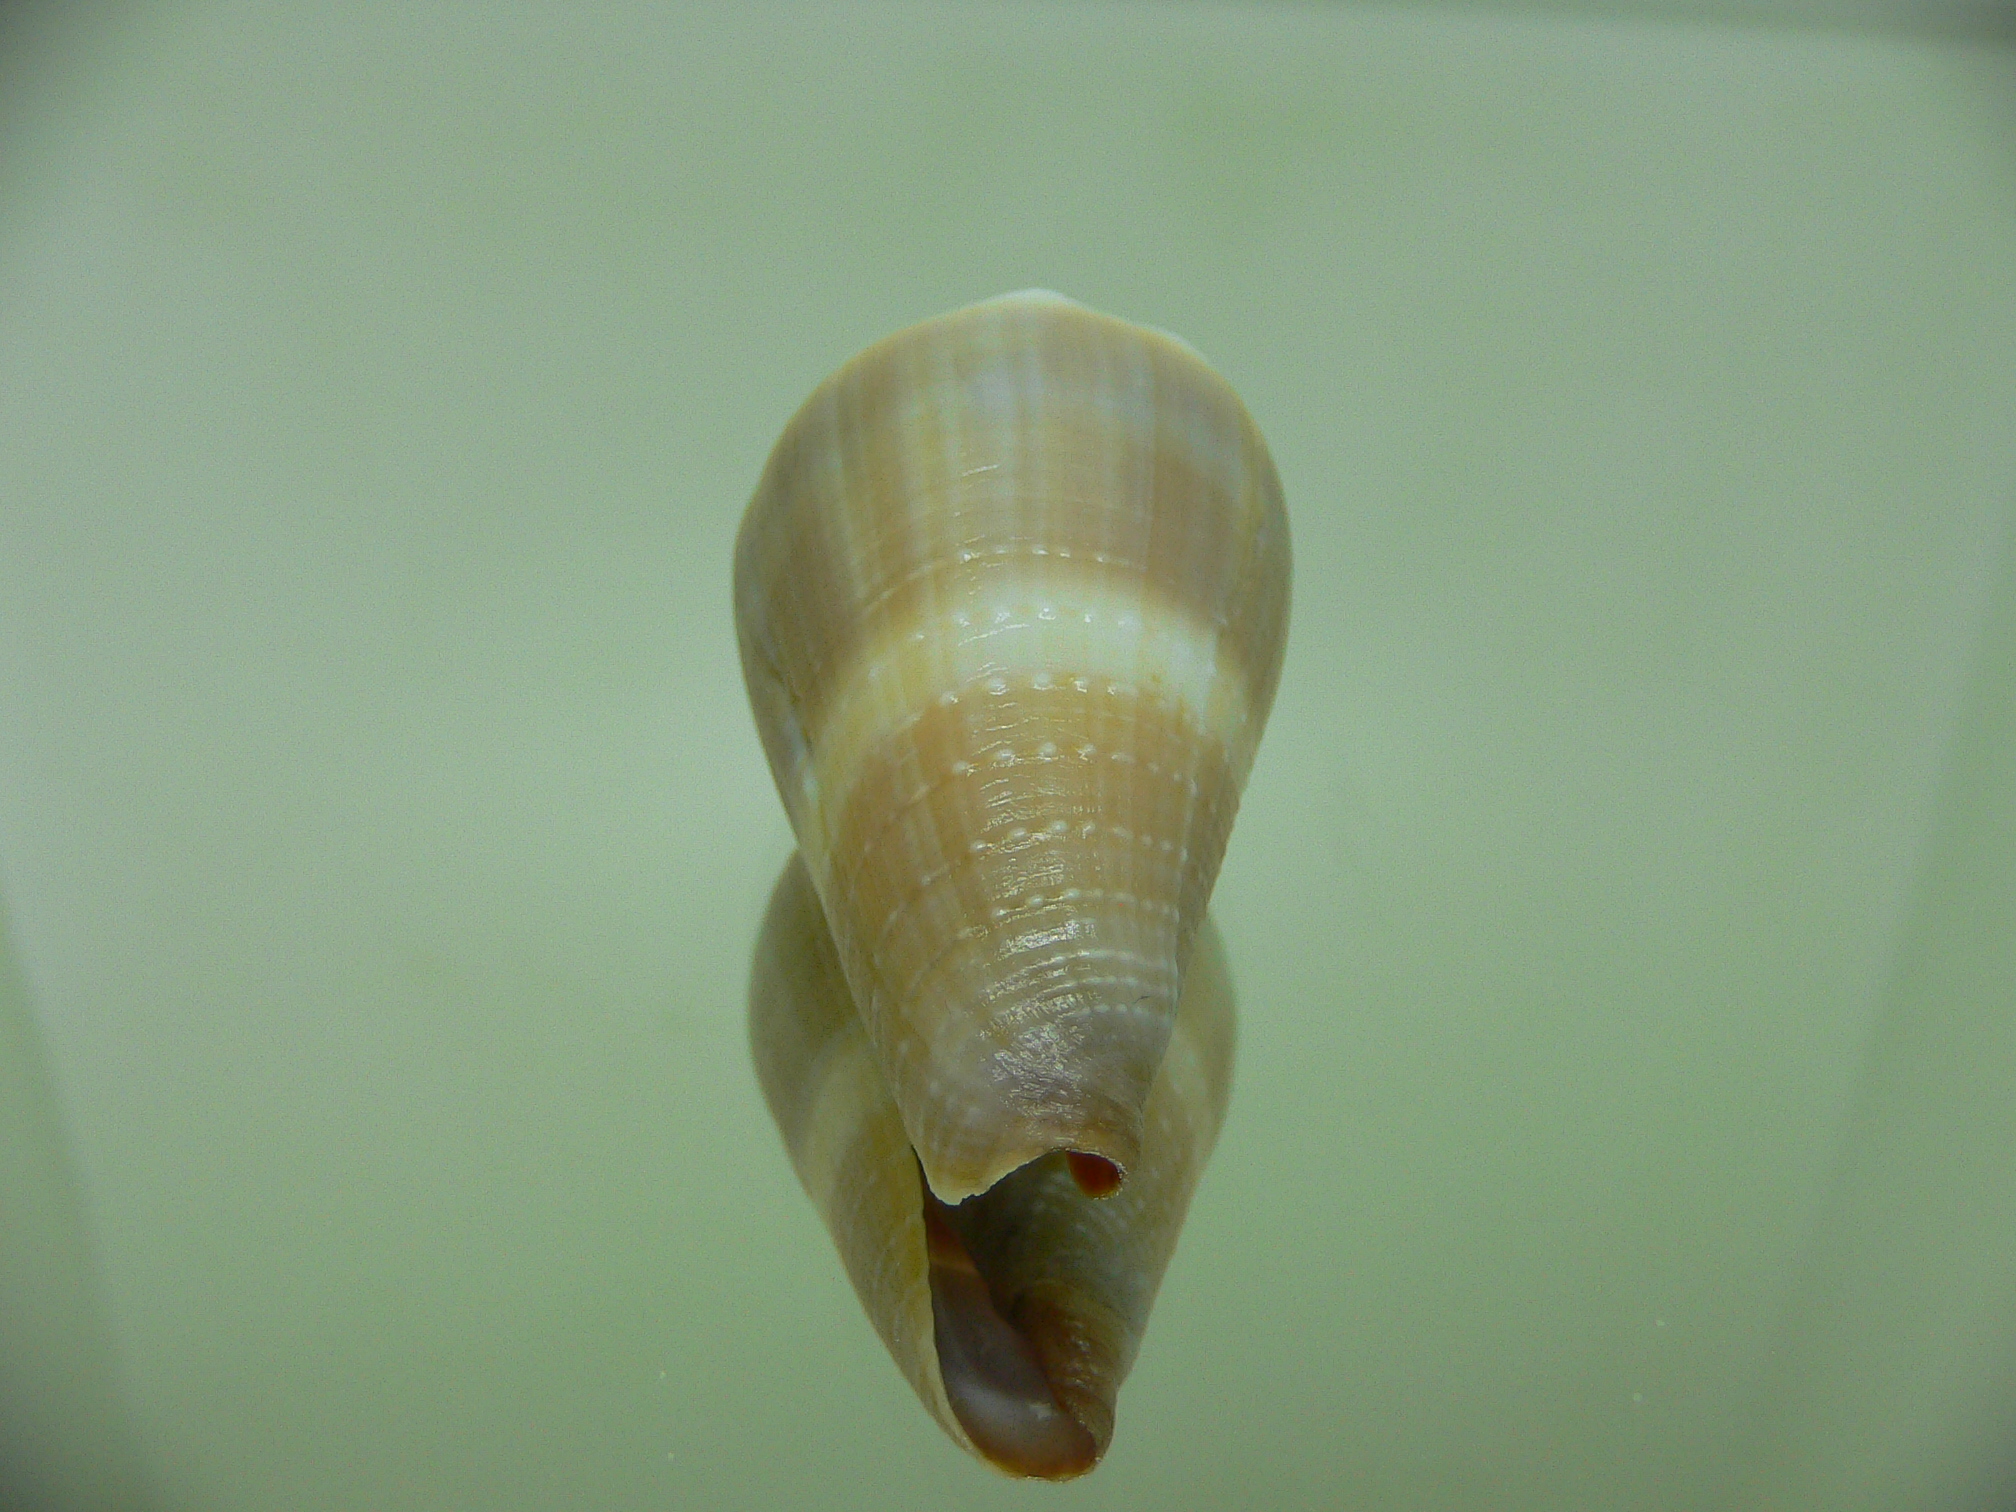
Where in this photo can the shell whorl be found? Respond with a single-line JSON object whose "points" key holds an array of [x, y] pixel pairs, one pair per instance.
{"points": [[1016, 1316], [1011, 597]]}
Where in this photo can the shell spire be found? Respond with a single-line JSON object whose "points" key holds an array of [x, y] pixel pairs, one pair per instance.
{"points": [[1011, 597]]}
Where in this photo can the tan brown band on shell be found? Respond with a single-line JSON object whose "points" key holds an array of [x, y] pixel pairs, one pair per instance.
{"points": [[1066, 1279], [946, 459]]}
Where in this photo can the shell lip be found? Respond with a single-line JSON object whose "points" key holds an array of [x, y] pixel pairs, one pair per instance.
{"points": [[1100, 1156], [1046, 1093], [999, 1369]]}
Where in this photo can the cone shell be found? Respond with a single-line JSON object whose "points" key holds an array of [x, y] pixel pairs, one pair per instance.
{"points": [[1011, 598], [1015, 1316]]}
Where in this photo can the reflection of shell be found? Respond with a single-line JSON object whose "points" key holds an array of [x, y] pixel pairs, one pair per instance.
{"points": [[1016, 1314], [1011, 598]]}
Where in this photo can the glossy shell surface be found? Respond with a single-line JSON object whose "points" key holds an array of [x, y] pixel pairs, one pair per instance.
{"points": [[1016, 1315], [1011, 598]]}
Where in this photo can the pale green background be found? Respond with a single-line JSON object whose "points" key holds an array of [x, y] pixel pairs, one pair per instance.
{"points": [[1623, 903]]}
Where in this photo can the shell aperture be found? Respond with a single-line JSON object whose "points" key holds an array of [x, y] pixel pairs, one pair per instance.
{"points": [[1015, 1315]]}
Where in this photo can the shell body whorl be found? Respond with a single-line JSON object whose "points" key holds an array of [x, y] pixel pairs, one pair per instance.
{"points": [[1072, 1276], [1011, 599]]}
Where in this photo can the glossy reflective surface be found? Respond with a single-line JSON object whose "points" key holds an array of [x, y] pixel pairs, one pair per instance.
{"points": [[1616, 903]]}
